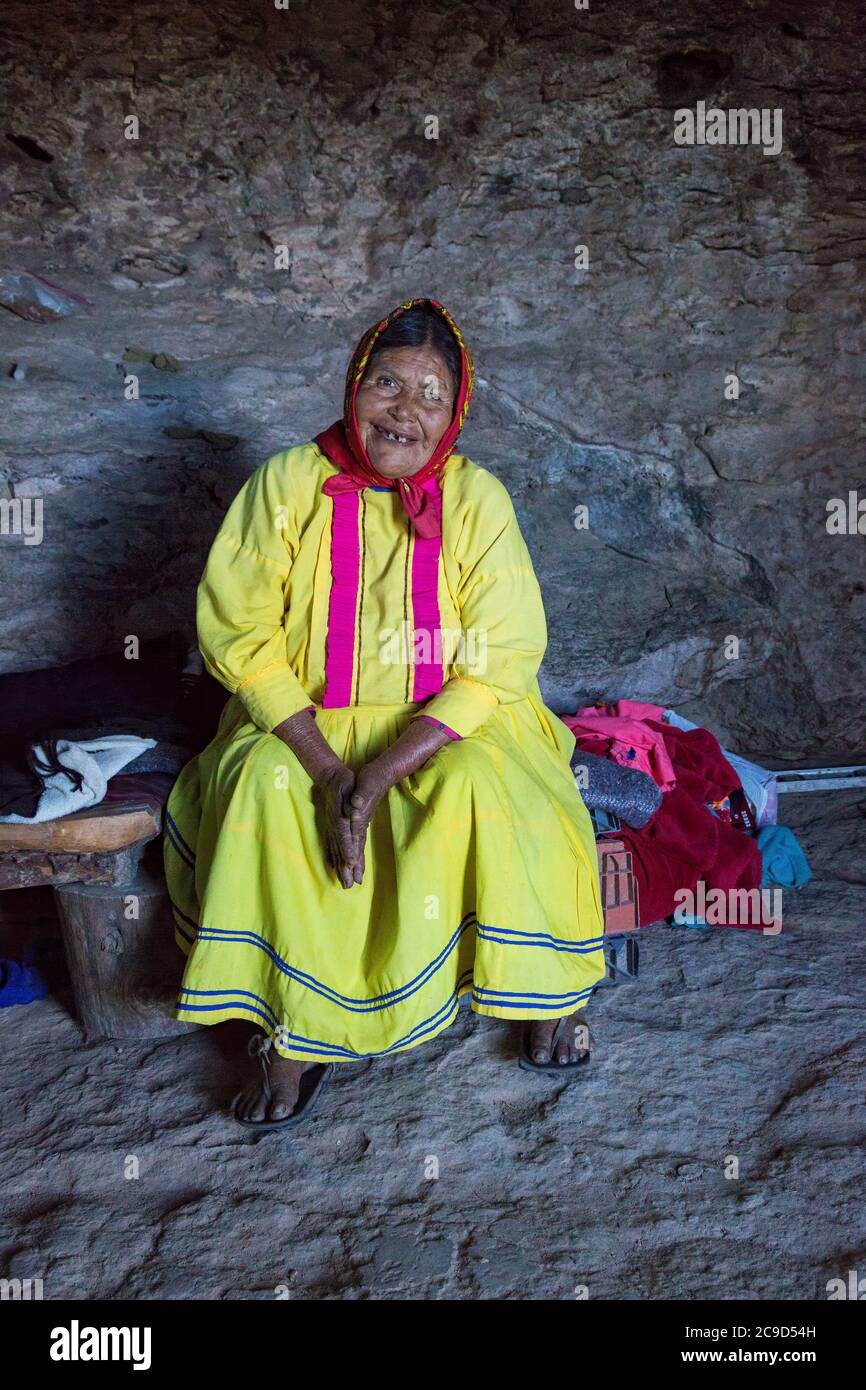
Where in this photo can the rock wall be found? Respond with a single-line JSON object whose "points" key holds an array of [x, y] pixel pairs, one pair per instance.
{"points": [[307, 128]]}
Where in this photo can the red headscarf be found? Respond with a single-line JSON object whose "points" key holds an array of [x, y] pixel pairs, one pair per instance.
{"points": [[343, 445]]}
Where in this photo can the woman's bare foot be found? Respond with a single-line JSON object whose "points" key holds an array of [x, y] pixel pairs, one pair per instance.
{"points": [[284, 1077], [572, 1045]]}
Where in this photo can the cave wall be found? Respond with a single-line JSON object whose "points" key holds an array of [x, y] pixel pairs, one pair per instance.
{"points": [[603, 387]]}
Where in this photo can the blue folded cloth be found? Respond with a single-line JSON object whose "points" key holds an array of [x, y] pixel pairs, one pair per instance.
{"points": [[784, 862], [20, 984]]}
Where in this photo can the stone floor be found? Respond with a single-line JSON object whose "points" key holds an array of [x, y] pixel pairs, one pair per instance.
{"points": [[730, 1044]]}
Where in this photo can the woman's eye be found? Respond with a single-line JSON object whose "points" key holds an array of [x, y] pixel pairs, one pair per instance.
{"points": [[384, 381]]}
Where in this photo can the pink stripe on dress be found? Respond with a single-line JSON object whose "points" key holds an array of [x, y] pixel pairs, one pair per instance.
{"points": [[345, 572], [437, 723], [427, 675]]}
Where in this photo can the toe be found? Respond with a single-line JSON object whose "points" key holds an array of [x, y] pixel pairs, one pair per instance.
{"points": [[286, 1090], [539, 1043], [258, 1108], [250, 1105]]}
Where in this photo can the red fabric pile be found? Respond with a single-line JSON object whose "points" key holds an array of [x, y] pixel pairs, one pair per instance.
{"points": [[684, 842]]}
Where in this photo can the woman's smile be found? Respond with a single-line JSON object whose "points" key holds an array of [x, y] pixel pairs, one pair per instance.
{"points": [[403, 407], [402, 439]]}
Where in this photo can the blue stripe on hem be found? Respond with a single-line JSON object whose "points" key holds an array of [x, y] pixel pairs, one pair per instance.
{"points": [[398, 996], [501, 999], [542, 938], [577, 948], [381, 1001], [176, 910], [237, 998], [170, 821], [179, 851]]}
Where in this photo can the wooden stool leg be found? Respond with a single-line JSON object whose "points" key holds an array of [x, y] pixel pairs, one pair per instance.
{"points": [[124, 964]]}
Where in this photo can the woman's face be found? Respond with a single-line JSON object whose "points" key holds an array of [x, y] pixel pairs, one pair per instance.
{"points": [[404, 406]]}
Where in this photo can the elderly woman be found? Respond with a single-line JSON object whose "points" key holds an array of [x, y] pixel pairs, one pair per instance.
{"points": [[386, 819]]}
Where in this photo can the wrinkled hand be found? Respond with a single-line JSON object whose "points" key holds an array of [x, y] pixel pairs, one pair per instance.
{"points": [[406, 755], [335, 788], [371, 785], [334, 783]]}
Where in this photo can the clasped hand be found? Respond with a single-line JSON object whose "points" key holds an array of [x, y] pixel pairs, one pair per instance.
{"points": [[349, 801]]}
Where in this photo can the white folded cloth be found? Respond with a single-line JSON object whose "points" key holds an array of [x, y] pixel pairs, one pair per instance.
{"points": [[96, 759]]}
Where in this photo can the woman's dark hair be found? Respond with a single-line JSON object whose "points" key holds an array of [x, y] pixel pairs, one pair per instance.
{"points": [[422, 328]]}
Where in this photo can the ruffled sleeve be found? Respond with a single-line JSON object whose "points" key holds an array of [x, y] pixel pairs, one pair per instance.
{"points": [[240, 601]]}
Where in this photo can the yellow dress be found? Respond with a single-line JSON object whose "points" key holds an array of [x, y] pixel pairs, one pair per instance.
{"points": [[481, 871]]}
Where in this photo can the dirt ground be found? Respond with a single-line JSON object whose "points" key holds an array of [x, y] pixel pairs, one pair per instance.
{"points": [[447, 1173]]}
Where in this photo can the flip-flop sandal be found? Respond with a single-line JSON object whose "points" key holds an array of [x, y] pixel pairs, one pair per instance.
{"points": [[552, 1068], [313, 1082]]}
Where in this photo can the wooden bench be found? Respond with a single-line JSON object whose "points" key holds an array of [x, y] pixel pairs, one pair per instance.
{"points": [[115, 919]]}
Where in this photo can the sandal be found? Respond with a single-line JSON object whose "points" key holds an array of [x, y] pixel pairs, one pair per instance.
{"points": [[313, 1082], [553, 1068]]}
